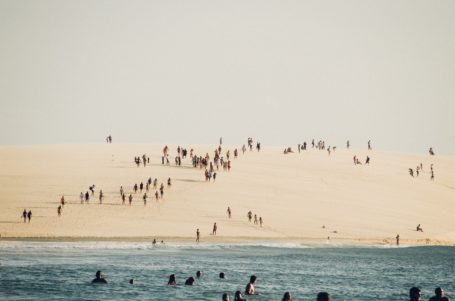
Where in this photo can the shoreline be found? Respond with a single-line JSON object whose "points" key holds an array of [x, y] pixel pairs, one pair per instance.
{"points": [[345, 242]]}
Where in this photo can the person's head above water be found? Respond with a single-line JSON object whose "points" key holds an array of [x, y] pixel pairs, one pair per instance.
{"points": [[99, 275], [172, 280], [225, 297], [323, 296], [199, 274], [414, 294], [132, 281], [238, 296], [99, 278], [253, 279], [439, 292], [287, 297], [222, 275], [189, 281]]}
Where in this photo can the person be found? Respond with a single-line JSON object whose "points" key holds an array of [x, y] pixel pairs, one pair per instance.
{"points": [[199, 274], [323, 296], [415, 294], [431, 151], [24, 215], [132, 282], [62, 200], [347, 144], [225, 297], [154, 242], [260, 221], [214, 229], [250, 216], [369, 144], [419, 228], [198, 234], [189, 281], [29, 215], [286, 297], [398, 239], [439, 294], [59, 210], [239, 296], [249, 290], [172, 280], [255, 219], [367, 161], [145, 199], [81, 197], [229, 212], [222, 275], [99, 278], [130, 199]]}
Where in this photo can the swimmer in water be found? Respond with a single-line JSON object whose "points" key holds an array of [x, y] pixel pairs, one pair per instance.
{"points": [[99, 278], [225, 297], [439, 294], [415, 294], [249, 290], [323, 296], [239, 296], [286, 297], [199, 274], [172, 280], [190, 281], [222, 275]]}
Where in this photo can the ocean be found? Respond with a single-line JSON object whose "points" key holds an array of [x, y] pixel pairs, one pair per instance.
{"points": [[64, 270]]}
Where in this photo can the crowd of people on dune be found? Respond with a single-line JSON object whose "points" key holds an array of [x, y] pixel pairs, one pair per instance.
{"points": [[415, 293]]}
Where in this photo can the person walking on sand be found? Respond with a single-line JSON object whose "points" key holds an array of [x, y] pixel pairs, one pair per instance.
{"points": [[347, 144], [229, 212], [130, 199], [369, 144], [198, 235], [144, 197], [29, 215], [260, 221], [62, 201], [419, 228], [250, 216], [367, 161], [255, 219], [24, 215], [59, 210], [398, 239], [123, 199], [215, 227], [101, 197], [81, 197]]}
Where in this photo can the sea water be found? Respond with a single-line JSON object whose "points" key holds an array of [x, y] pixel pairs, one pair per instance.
{"points": [[64, 270]]}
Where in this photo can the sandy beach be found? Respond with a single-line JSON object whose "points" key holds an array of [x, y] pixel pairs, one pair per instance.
{"points": [[296, 195]]}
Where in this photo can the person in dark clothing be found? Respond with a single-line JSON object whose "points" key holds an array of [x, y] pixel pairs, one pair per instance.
{"points": [[99, 278]]}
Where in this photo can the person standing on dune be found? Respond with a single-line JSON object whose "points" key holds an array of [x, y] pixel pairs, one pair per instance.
{"points": [[29, 215], [215, 227], [229, 212], [24, 215]]}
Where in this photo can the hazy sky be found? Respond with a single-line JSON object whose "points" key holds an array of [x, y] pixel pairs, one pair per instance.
{"points": [[191, 71]]}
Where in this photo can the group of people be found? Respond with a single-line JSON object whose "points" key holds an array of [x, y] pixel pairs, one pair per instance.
{"points": [[255, 219], [238, 295], [415, 293], [144, 160], [419, 170], [357, 161]]}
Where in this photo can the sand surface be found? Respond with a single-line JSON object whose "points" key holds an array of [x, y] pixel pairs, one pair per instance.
{"points": [[296, 194]]}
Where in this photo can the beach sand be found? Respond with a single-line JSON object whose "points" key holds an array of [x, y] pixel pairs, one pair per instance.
{"points": [[296, 194]]}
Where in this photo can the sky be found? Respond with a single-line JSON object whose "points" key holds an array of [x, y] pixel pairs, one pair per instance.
{"points": [[188, 72]]}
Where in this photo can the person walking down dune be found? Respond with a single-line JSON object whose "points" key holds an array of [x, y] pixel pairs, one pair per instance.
{"points": [[229, 212], [260, 221], [130, 199], [29, 216], [24, 215], [59, 210], [250, 216]]}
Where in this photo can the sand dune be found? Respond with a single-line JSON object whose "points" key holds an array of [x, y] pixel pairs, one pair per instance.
{"points": [[296, 194]]}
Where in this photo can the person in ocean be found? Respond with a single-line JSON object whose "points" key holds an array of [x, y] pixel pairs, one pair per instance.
{"points": [[222, 275], [249, 290], [323, 296], [286, 297], [99, 278], [199, 274], [439, 294], [238, 296], [190, 281], [225, 297], [172, 280], [132, 282], [415, 294]]}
